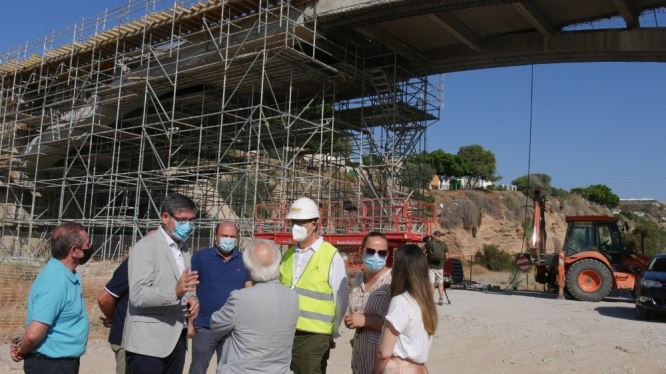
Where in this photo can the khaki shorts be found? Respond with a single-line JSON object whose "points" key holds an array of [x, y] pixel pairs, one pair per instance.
{"points": [[436, 276]]}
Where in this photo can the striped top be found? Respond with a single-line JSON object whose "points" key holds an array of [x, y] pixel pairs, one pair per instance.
{"points": [[372, 302]]}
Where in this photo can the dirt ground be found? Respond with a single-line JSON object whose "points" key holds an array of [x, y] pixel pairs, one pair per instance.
{"points": [[521, 332]]}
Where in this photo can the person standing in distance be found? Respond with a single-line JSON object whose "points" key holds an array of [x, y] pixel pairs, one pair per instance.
{"points": [[56, 320], [161, 293], [436, 251], [221, 270], [316, 271]]}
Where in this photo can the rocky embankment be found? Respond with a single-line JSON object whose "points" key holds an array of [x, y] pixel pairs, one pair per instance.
{"points": [[470, 219]]}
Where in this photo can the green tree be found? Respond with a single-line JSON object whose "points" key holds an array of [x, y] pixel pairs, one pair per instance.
{"points": [[536, 181], [478, 163], [443, 163], [436, 160], [599, 194], [416, 176], [452, 166]]}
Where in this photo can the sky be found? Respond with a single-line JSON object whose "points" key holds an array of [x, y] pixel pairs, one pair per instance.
{"points": [[593, 123]]}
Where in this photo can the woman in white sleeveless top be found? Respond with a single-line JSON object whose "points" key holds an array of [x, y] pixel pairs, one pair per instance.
{"points": [[412, 318]]}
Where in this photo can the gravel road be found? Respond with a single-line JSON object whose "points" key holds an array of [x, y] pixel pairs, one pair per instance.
{"points": [[515, 333]]}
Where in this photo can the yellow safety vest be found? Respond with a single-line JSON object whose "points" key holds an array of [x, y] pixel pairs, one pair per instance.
{"points": [[315, 295]]}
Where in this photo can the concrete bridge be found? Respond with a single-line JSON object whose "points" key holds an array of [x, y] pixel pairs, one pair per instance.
{"points": [[454, 35]]}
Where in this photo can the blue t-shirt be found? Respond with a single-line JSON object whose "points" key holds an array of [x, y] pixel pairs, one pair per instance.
{"points": [[57, 301], [217, 278], [118, 287]]}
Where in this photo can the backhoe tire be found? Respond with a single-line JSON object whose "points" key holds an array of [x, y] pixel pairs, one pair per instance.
{"points": [[589, 280]]}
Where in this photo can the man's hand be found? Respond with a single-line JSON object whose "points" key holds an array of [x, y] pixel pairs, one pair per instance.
{"points": [[192, 307], [106, 321], [331, 344], [15, 351], [355, 320], [187, 283]]}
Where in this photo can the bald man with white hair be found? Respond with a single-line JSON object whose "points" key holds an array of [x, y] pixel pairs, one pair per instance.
{"points": [[259, 322]]}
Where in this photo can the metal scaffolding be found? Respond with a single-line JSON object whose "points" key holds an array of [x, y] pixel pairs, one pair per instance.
{"points": [[233, 103]]}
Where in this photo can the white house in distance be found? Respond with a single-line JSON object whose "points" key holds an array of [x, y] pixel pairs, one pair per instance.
{"points": [[449, 183]]}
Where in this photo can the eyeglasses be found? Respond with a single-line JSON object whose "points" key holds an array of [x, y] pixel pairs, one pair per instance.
{"points": [[380, 252], [179, 219]]}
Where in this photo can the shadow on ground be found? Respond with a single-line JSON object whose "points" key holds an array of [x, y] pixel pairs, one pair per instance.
{"points": [[535, 294], [622, 312], [627, 312]]}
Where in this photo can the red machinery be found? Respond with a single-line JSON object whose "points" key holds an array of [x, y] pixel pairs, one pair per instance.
{"points": [[344, 224], [593, 260]]}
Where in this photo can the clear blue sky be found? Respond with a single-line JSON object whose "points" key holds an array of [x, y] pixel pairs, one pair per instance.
{"points": [[593, 123]]}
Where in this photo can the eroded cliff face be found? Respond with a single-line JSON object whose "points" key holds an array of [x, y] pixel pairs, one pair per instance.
{"points": [[470, 219]]}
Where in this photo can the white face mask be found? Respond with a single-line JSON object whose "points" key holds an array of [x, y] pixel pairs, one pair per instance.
{"points": [[299, 233]]}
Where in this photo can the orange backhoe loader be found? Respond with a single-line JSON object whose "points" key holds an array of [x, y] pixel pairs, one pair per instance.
{"points": [[593, 260]]}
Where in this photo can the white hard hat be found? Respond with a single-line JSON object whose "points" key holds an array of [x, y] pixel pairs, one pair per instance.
{"points": [[303, 208]]}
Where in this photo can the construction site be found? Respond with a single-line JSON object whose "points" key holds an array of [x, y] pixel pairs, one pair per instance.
{"points": [[241, 105], [247, 105]]}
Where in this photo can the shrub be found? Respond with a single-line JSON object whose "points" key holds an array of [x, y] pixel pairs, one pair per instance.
{"points": [[493, 258], [600, 194], [416, 176], [514, 203], [559, 192], [461, 212], [575, 205], [536, 181], [485, 203], [425, 197], [652, 235]]}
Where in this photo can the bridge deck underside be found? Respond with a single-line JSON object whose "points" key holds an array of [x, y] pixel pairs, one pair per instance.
{"points": [[474, 34]]}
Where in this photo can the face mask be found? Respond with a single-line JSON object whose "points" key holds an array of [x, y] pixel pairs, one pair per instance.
{"points": [[227, 244], [374, 262], [183, 230], [299, 233], [86, 256]]}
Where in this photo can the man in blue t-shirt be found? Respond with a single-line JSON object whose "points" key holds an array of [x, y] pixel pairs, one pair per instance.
{"points": [[56, 320], [112, 302], [221, 270]]}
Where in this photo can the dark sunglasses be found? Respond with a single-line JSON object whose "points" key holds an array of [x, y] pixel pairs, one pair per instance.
{"points": [[381, 252]]}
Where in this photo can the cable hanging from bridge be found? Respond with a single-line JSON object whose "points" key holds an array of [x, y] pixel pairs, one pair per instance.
{"points": [[529, 167]]}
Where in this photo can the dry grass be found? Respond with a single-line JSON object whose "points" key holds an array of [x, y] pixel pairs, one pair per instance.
{"points": [[460, 212], [487, 202]]}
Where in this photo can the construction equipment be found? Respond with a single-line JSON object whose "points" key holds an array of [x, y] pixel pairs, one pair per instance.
{"points": [[593, 260], [453, 270], [345, 223]]}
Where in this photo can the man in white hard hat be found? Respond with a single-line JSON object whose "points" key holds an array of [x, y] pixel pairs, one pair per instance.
{"points": [[316, 271]]}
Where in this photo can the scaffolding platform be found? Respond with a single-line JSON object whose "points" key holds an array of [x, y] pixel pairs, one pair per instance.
{"points": [[238, 104]]}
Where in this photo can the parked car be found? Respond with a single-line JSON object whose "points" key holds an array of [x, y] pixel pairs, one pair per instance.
{"points": [[651, 291]]}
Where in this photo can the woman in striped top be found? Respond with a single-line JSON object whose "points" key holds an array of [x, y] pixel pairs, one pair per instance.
{"points": [[368, 304]]}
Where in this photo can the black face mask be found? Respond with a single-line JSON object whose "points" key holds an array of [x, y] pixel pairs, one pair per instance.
{"points": [[86, 256]]}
